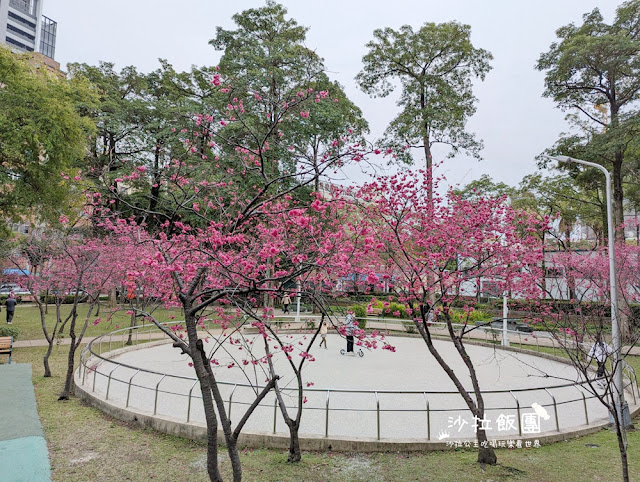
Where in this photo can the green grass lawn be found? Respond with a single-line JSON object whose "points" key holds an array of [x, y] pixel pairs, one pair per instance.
{"points": [[27, 320], [85, 444], [632, 360]]}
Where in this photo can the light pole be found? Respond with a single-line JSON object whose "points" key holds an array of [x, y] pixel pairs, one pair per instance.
{"points": [[298, 301], [505, 311], [616, 334]]}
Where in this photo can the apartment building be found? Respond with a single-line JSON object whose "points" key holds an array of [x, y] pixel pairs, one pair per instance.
{"points": [[24, 28]]}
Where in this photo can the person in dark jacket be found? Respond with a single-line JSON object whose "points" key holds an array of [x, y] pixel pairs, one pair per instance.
{"points": [[351, 326], [11, 306]]}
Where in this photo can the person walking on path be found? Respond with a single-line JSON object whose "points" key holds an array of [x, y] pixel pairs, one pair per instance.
{"points": [[323, 334], [350, 326], [600, 351], [11, 307], [286, 301]]}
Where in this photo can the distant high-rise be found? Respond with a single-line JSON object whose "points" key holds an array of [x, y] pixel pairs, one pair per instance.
{"points": [[23, 27]]}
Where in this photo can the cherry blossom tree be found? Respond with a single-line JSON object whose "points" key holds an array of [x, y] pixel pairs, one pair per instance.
{"points": [[76, 264], [241, 226], [439, 246], [299, 353], [577, 314]]}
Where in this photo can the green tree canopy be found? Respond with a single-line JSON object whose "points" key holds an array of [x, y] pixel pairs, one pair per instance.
{"points": [[593, 72], [484, 187], [42, 134], [139, 119], [435, 66], [557, 197], [266, 63]]}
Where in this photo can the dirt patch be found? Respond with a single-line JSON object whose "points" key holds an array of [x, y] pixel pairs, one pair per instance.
{"points": [[82, 460], [200, 462], [358, 467]]}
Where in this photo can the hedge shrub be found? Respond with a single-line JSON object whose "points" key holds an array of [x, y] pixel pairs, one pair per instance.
{"points": [[9, 331], [64, 300], [361, 314]]}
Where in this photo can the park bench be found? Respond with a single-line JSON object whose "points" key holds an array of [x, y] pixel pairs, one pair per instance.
{"points": [[6, 346], [513, 324]]}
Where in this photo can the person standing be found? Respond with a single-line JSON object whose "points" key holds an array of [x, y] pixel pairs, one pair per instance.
{"points": [[11, 307], [286, 301], [600, 351], [350, 326], [323, 334], [426, 313]]}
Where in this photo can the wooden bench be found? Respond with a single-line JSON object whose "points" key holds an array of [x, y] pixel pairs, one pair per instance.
{"points": [[6, 346]]}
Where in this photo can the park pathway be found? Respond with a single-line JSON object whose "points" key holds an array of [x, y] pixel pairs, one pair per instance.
{"points": [[85, 340], [23, 449]]}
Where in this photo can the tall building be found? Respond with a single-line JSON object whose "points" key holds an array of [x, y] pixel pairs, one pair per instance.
{"points": [[24, 28]]}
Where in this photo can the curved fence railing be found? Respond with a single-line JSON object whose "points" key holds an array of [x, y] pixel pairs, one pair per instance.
{"points": [[376, 414]]}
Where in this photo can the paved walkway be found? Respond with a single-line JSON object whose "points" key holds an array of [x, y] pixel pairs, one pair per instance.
{"points": [[23, 450], [85, 340]]}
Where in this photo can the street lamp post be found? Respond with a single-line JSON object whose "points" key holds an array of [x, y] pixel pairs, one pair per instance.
{"points": [[505, 312], [616, 334], [298, 301]]}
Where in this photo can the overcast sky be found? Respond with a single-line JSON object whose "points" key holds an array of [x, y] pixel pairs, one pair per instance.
{"points": [[512, 119]]}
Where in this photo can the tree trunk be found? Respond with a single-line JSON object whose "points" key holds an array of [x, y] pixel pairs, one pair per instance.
{"points": [[486, 454], [295, 454], [212, 434], [543, 267], [618, 194], [201, 356], [426, 141], [59, 317], [113, 302], [66, 393], [50, 339], [316, 178], [132, 324], [213, 469], [155, 188], [267, 301], [234, 456], [212, 423], [45, 360], [231, 441], [623, 455], [68, 385], [571, 281]]}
